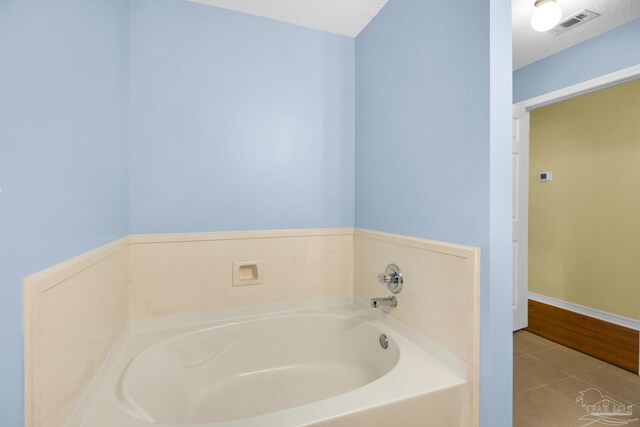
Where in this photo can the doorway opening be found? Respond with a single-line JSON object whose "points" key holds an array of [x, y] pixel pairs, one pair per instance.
{"points": [[576, 162]]}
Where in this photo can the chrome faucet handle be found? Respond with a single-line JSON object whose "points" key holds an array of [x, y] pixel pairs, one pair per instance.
{"points": [[392, 277], [384, 278]]}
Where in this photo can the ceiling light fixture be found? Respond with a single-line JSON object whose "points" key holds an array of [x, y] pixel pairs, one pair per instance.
{"points": [[546, 16]]}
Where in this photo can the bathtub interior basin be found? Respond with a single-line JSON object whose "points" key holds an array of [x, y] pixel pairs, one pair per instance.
{"points": [[250, 368]]}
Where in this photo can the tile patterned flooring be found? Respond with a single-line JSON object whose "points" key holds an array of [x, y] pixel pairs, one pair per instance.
{"points": [[548, 378]]}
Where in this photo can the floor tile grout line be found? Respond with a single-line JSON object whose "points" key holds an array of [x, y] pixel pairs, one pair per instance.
{"points": [[529, 389], [562, 348], [571, 374], [568, 374], [609, 392], [547, 346], [544, 384], [544, 349], [603, 364], [614, 372], [568, 403], [560, 379], [556, 345], [547, 343], [559, 395]]}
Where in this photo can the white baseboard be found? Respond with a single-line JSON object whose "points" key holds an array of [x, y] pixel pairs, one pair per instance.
{"points": [[586, 311]]}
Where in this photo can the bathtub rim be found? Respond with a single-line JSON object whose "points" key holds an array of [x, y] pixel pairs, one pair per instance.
{"points": [[212, 317]]}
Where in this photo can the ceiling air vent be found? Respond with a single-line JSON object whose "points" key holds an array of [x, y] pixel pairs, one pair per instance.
{"points": [[573, 21]]}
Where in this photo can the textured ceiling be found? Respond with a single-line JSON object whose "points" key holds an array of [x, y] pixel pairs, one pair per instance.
{"points": [[530, 46], [346, 17]]}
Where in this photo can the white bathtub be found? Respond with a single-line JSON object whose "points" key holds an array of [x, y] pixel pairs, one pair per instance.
{"points": [[299, 367]]}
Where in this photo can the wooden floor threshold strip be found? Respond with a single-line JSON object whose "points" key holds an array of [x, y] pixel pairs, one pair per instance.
{"points": [[606, 341]]}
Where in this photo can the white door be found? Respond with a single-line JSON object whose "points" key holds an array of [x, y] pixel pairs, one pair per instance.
{"points": [[520, 215]]}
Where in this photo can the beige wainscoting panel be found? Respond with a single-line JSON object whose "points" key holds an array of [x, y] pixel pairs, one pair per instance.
{"points": [[73, 314], [75, 311], [187, 273], [441, 292]]}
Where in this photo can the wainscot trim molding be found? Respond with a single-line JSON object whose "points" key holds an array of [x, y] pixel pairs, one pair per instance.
{"points": [[461, 251], [236, 235], [51, 276]]}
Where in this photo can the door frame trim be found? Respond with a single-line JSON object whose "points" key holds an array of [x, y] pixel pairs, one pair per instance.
{"points": [[521, 215], [598, 83]]}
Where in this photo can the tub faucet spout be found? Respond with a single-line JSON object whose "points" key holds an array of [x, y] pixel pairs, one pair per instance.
{"points": [[384, 302]]}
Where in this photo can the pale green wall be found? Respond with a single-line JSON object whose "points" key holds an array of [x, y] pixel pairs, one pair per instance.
{"points": [[584, 226]]}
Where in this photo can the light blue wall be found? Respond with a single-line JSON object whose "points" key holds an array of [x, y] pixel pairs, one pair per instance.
{"points": [[63, 150], [433, 111], [238, 122], [609, 52], [422, 127]]}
